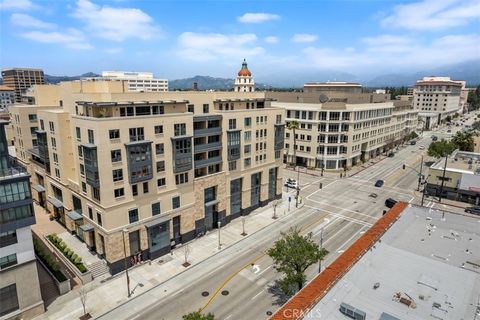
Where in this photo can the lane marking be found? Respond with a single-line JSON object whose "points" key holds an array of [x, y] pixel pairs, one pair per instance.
{"points": [[265, 270], [256, 268], [253, 298]]}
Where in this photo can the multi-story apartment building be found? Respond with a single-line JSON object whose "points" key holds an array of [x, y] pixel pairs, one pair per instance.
{"points": [[337, 135], [155, 169], [21, 79], [318, 87], [20, 295], [7, 97], [137, 81], [436, 98]]}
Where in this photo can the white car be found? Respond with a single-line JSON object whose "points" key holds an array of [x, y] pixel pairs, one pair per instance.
{"points": [[421, 147], [291, 183]]}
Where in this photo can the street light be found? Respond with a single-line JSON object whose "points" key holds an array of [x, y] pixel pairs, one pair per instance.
{"points": [[124, 232], [219, 224]]}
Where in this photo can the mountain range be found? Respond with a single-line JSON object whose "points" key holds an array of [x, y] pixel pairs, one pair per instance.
{"points": [[468, 71]]}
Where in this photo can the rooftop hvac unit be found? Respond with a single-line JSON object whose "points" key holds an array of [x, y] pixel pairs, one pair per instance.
{"points": [[352, 312]]}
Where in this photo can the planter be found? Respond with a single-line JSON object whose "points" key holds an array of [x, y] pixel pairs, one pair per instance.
{"points": [[64, 286]]}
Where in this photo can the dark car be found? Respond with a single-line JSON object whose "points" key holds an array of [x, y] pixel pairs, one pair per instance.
{"points": [[473, 210], [413, 142], [391, 155], [379, 183], [390, 202], [434, 138]]}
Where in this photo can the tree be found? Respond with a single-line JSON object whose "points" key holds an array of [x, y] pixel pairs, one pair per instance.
{"points": [[82, 293], [440, 148], [413, 135], [464, 141], [196, 315], [186, 254], [292, 255], [448, 118], [474, 99], [293, 125]]}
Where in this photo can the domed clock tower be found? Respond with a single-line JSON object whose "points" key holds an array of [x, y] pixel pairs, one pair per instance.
{"points": [[244, 81]]}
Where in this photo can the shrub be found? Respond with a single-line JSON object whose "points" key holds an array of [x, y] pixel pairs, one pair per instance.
{"points": [[78, 260], [74, 257], [81, 267]]}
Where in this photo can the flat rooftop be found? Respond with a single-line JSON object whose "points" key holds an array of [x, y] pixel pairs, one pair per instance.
{"points": [[459, 161], [426, 266]]}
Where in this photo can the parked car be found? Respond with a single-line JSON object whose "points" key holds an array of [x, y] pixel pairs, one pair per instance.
{"points": [[421, 147], [434, 138], [391, 155], [291, 183], [379, 183], [390, 202], [473, 210]]}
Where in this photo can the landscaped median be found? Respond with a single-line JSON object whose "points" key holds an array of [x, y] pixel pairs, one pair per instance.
{"points": [[67, 252]]}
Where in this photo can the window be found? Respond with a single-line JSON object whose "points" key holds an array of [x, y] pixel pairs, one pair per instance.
{"points": [[133, 215], [120, 192], [8, 238], [54, 142], [55, 157], [248, 122], [145, 187], [161, 182], [232, 165], [159, 129], [117, 175], [160, 166], [247, 162], [9, 298], [247, 135], [32, 117], [247, 148], [91, 138], [232, 124], [114, 134], [134, 190], [180, 129], [155, 208], [176, 202], [136, 134], [181, 178], [116, 155], [90, 213], [57, 172], [159, 148], [80, 151], [8, 261], [78, 133], [96, 193], [279, 119], [84, 187], [52, 126], [205, 108], [99, 218], [190, 108]]}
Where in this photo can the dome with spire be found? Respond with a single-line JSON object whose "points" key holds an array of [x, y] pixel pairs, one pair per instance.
{"points": [[244, 72]]}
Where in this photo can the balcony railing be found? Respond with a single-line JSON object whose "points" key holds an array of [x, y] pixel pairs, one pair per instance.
{"points": [[207, 146], [207, 162], [14, 168], [207, 131]]}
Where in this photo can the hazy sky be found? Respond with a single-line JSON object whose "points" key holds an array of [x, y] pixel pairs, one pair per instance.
{"points": [[177, 39]]}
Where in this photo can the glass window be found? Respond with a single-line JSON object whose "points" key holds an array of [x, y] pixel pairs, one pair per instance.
{"points": [[114, 134], [120, 192], [145, 187], [9, 299], [158, 129], [91, 138], [117, 175], [155, 208], [180, 129], [116, 155], [135, 190], [248, 122], [159, 148], [176, 202], [8, 261], [161, 182], [160, 166], [133, 215], [8, 238]]}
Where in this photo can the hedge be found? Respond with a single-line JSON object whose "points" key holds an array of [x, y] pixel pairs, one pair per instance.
{"points": [[67, 252], [49, 262]]}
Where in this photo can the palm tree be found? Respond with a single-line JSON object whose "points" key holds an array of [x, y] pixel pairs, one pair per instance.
{"points": [[463, 140], [293, 125]]}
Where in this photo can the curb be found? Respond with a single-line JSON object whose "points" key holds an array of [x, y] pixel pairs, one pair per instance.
{"points": [[198, 264]]}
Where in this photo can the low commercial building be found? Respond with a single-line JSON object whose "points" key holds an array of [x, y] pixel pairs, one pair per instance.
{"points": [[461, 181], [137, 81], [412, 264], [153, 169], [20, 296]]}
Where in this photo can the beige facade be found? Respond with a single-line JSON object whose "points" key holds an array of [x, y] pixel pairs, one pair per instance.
{"points": [[165, 166], [21, 79], [337, 136]]}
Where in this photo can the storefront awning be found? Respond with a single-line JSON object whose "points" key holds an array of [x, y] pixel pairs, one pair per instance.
{"points": [[56, 203], [38, 188], [86, 227], [74, 215], [156, 222]]}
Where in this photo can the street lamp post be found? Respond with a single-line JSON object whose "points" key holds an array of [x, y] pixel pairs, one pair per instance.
{"points": [[420, 175], [298, 187], [219, 242], [321, 249], [443, 179], [124, 232]]}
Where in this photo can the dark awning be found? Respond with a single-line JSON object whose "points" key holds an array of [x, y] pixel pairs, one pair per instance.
{"points": [[86, 227], [56, 203], [74, 215], [156, 222], [39, 188]]}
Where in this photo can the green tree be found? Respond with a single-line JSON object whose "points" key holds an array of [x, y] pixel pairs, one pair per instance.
{"points": [[448, 118], [440, 148], [413, 135], [292, 255], [463, 141], [474, 99], [196, 315], [293, 125]]}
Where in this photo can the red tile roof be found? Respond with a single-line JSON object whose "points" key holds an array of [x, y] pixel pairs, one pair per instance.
{"points": [[305, 299]]}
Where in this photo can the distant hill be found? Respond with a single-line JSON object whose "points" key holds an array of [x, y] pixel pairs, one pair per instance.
{"points": [[57, 79], [207, 83]]}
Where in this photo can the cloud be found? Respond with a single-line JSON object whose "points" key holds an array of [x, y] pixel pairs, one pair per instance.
{"points": [[271, 39], [304, 37], [113, 50], [115, 24], [433, 14], [258, 17], [71, 38], [25, 20], [211, 46], [17, 5]]}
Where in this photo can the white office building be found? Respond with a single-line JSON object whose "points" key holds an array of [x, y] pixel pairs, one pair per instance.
{"points": [[138, 81]]}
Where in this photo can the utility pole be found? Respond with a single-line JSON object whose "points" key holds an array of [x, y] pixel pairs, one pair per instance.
{"points": [[443, 179], [125, 231], [423, 191], [219, 243], [420, 176], [321, 249], [298, 187]]}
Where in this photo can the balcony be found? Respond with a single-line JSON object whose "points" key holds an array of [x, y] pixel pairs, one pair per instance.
{"points": [[207, 131], [208, 147], [207, 162], [14, 168]]}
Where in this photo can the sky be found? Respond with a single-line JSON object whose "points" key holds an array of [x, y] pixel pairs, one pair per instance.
{"points": [[279, 38]]}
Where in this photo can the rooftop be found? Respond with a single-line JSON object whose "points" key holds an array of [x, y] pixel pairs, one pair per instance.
{"points": [[332, 106], [460, 161], [333, 84], [426, 266]]}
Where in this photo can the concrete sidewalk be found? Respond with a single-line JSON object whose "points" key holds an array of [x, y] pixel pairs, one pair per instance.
{"points": [[104, 295]]}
